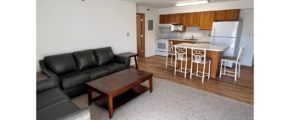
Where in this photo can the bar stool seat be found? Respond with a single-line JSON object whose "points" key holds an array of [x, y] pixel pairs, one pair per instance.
{"points": [[171, 52], [232, 59], [181, 54]]}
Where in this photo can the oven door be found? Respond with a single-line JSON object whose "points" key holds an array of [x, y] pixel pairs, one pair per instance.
{"points": [[161, 45]]}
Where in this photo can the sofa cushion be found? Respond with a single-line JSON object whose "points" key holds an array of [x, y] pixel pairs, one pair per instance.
{"points": [[73, 79], [85, 59], [97, 72], [114, 67], [61, 64], [104, 55], [57, 111], [50, 98]]}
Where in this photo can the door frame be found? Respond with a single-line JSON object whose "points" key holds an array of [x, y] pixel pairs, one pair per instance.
{"points": [[143, 32]]}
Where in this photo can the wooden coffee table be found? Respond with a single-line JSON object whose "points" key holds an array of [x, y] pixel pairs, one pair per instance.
{"points": [[118, 88]]}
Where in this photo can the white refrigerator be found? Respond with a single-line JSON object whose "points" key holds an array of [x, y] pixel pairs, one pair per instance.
{"points": [[228, 34]]}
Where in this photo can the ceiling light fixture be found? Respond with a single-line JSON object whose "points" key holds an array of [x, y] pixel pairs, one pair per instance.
{"points": [[192, 3]]}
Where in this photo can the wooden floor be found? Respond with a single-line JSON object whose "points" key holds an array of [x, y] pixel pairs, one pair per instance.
{"points": [[242, 90]]}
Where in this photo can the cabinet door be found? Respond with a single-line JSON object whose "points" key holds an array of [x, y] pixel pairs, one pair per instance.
{"points": [[162, 19], [168, 19], [180, 18], [173, 19], [206, 20], [233, 14], [191, 19], [220, 15]]}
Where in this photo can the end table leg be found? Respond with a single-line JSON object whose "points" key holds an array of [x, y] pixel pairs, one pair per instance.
{"points": [[110, 106], [136, 64], [150, 84], [89, 96]]}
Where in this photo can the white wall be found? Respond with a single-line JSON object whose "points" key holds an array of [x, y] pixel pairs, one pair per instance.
{"points": [[241, 4], [150, 35], [247, 17], [65, 26]]}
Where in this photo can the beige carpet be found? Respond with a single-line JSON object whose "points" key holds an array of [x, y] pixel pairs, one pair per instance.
{"points": [[170, 101]]}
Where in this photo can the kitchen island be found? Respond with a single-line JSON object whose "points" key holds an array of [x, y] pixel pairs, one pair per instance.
{"points": [[214, 52]]}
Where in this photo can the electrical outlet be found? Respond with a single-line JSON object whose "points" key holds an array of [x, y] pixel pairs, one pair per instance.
{"points": [[128, 34], [208, 35]]}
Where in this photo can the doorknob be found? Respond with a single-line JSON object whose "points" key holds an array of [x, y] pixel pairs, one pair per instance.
{"points": [[141, 50]]}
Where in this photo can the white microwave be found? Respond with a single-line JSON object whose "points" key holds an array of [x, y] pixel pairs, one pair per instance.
{"points": [[177, 27]]}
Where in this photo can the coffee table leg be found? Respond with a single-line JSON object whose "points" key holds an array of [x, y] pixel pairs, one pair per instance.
{"points": [[89, 96], [136, 64], [110, 106], [150, 84]]}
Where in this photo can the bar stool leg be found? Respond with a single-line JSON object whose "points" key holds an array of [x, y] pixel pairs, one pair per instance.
{"points": [[181, 65], [209, 69], [236, 71], [185, 69], [175, 67], [225, 67], [191, 69], [221, 69], [239, 69], [203, 72]]}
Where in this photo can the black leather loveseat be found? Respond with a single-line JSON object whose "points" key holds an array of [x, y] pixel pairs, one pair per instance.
{"points": [[53, 104], [73, 70]]}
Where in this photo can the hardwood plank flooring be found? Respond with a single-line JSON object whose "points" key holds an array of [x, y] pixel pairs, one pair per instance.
{"points": [[241, 90]]}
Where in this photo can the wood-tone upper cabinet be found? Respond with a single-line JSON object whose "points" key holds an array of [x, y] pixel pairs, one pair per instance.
{"points": [[162, 19], [220, 15], [177, 18], [206, 20], [191, 19], [233, 14], [169, 19]]}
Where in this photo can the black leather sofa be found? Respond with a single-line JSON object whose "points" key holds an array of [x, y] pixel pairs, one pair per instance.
{"points": [[73, 70], [53, 104]]}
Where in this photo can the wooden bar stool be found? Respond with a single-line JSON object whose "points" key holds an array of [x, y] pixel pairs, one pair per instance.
{"points": [[181, 54], [199, 58], [236, 60]]}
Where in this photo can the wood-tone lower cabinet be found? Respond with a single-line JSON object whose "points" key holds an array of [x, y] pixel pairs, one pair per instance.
{"points": [[233, 15], [191, 19], [178, 42], [206, 20]]}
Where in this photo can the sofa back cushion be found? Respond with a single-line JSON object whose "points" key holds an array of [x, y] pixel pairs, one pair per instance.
{"points": [[104, 55], [61, 64], [85, 59]]}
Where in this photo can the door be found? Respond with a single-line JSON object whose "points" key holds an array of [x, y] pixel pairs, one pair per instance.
{"points": [[168, 19], [140, 28], [162, 19], [206, 20], [191, 19], [225, 29]]}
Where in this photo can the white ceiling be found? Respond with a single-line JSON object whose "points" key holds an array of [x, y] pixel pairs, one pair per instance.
{"points": [[166, 3]]}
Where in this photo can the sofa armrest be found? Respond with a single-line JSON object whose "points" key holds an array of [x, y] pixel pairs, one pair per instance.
{"points": [[82, 114], [46, 84], [48, 72], [122, 59]]}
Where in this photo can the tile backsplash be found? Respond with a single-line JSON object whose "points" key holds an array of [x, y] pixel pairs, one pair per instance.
{"points": [[200, 34]]}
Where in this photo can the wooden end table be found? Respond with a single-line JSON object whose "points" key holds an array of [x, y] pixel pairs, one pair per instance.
{"points": [[129, 54], [40, 76], [120, 87]]}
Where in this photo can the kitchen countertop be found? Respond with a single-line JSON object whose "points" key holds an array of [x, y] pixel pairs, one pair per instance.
{"points": [[204, 46], [189, 40]]}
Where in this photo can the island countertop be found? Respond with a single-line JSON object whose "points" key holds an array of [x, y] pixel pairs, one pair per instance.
{"points": [[203, 46]]}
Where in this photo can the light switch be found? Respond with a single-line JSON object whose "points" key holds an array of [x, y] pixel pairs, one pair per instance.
{"points": [[208, 35], [128, 34], [251, 33]]}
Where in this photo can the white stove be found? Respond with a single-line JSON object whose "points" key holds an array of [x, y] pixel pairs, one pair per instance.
{"points": [[161, 47]]}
